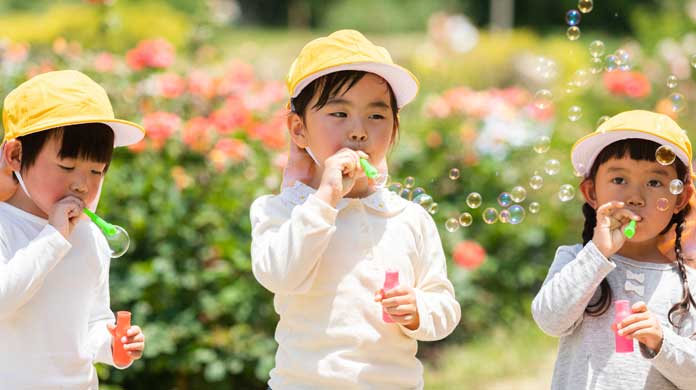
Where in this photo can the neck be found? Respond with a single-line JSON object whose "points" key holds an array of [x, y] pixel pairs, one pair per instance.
{"points": [[646, 251], [21, 201]]}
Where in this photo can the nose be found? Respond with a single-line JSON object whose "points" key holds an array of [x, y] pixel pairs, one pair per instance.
{"points": [[79, 185], [635, 200], [358, 133]]}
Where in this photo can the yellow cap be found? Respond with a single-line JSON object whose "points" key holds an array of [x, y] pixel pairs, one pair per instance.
{"points": [[62, 98], [349, 50], [632, 124]]}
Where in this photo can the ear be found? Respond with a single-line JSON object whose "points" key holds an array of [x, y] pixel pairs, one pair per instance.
{"points": [[683, 198], [12, 155], [298, 131], [587, 188]]}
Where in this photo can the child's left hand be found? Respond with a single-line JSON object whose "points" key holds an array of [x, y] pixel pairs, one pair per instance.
{"points": [[133, 342], [643, 326], [400, 304]]}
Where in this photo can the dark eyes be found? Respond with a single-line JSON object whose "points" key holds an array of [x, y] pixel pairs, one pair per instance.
{"points": [[651, 183], [618, 180], [344, 115]]}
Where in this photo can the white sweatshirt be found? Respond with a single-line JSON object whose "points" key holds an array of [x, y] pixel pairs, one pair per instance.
{"points": [[54, 303], [325, 265]]}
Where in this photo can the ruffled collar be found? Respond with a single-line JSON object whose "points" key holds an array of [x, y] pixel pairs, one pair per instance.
{"points": [[381, 201]]}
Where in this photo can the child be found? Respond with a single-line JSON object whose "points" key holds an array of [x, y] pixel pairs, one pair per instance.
{"points": [[625, 181], [322, 246], [55, 319]]}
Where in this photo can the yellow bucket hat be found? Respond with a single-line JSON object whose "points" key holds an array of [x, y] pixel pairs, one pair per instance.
{"points": [[63, 98], [349, 50], [632, 124]]}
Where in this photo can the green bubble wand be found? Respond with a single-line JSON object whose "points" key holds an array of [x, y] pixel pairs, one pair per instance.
{"points": [[373, 173], [116, 236], [630, 229]]}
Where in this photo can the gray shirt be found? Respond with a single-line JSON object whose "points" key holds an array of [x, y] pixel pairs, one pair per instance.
{"points": [[586, 352]]}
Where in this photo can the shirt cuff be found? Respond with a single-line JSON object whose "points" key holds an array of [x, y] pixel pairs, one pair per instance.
{"points": [[425, 325]]}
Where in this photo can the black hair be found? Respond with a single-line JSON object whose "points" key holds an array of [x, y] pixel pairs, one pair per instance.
{"points": [[89, 141], [328, 86], [641, 150]]}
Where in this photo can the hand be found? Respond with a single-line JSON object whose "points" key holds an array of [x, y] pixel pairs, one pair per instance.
{"points": [[133, 342], [643, 326], [65, 214], [400, 304], [340, 172], [8, 185], [608, 235]]}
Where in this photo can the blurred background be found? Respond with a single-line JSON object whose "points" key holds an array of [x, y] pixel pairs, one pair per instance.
{"points": [[506, 87]]}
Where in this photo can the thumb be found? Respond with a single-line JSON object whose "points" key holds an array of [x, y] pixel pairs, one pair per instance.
{"points": [[639, 307]]}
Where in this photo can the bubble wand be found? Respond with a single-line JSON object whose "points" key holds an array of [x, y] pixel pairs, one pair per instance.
{"points": [[116, 236], [372, 173], [630, 229]]}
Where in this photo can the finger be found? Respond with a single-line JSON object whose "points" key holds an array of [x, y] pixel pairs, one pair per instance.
{"points": [[378, 295], [629, 330], [362, 154], [135, 354], [133, 330], [639, 307], [608, 208], [396, 291], [396, 301], [402, 319], [626, 215], [633, 318], [401, 310], [134, 346]]}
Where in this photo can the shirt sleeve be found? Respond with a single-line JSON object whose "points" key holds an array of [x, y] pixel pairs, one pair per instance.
{"points": [[438, 310], [285, 252], [22, 274], [676, 359], [560, 305]]}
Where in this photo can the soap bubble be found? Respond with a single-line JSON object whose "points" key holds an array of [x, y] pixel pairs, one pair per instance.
{"points": [[596, 65], [596, 49], [574, 113], [566, 193], [518, 194], [490, 215], [504, 199], [662, 204], [395, 187], [118, 242], [693, 60], [416, 192], [465, 219], [452, 225], [534, 207], [473, 200], [678, 101], [542, 145], [611, 62], [580, 170], [542, 99], [546, 68], [409, 182], [622, 57], [552, 167], [664, 155], [581, 78], [434, 207], [676, 187], [672, 81], [424, 200], [573, 33], [573, 17], [517, 214], [602, 119], [406, 194], [504, 216], [536, 182], [585, 6], [454, 174]]}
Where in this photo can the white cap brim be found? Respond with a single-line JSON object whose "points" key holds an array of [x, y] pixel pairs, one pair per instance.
{"points": [[403, 84], [125, 133]]}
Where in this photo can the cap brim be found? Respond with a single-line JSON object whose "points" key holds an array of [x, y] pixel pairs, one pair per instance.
{"points": [[586, 150], [125, 133], [402, 82]]}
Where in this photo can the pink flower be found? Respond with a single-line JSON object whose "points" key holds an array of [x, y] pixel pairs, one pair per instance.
{"points": [[196, 133], [151, 53], [228, 150], [469, 254], [232, 116], [631, 84], [271, 133], [238, 78], [171, 85], [104, 62], [16, 53], [201, 84], [269, 94], [159, 126], [438, 108]]}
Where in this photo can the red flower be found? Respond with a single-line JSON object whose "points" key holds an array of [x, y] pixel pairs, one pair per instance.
{"points": [[104, 62], [271, 133], [201, 84], [631, 84], [171, 85], [232, 116], [159, 126], [238, 78], [228, 150], [469, 254], [151, 53], [196, 133]]}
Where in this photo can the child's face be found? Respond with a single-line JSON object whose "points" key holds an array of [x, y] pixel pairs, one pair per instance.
{"points": [[640, 185], [360, 119], [51, 178]]}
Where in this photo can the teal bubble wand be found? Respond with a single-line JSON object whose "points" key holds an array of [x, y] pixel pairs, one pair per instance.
{"points": [[116, 236], [630, 229]]}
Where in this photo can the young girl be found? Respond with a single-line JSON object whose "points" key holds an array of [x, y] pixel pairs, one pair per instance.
{"points": [[625, 182], [322, 246]]}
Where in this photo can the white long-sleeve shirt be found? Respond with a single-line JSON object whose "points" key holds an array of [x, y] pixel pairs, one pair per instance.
{"points": [[586, 353], [54, 303], [324, 266]]}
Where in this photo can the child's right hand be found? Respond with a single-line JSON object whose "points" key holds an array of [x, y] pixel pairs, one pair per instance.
{"points": [[340, 172], [608, 235], [7, 184], [65, 214]]}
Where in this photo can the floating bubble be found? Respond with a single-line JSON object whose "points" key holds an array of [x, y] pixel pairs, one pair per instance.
{"points": [[585, 6], [566, 193], [452, 225], [552, 167], [602, 119], [573, 17], [542, 145], [474, 200], [490, 215], [534, 207], [676, 187], [678, 101], [542, 99], [573, 33], [465, 219], [665, 155], [395, 187], [504, 199], [454, 174], [416, 192], [536, 182], [424, 200], [406, 194], [118, 242], [518, 194], [409, 182], [622, 57], [580, 170], [597, 49], [569, 88], [574, 113], [611, 63], [692, 59], [504, 216], [434, 207], [581, 78], [517, 214], [381, 180], [546, 68], [625, 67], [596, 65], [672, 81], [662, 204]]}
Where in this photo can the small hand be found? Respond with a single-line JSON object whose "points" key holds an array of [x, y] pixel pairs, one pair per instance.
{"points": [[643, 326], [400, 304], [608, 235], [133, 341]]}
